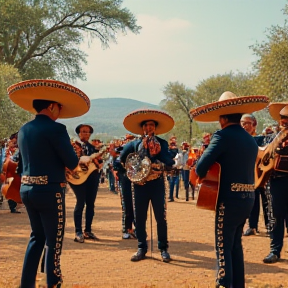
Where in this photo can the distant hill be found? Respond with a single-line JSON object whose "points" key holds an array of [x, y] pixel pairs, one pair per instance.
{"points": [[106, 117]]}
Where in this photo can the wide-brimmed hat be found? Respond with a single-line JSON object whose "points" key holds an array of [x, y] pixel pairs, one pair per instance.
{"points": [[229, 103], [275, 108], [74, 102], [132, 122], [77, 129]]}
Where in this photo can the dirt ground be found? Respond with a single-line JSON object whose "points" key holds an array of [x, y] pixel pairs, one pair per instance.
{"points": [[107, 263]]}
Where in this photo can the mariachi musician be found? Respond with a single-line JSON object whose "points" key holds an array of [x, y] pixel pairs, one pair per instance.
{"points": [[279, 183], [45, 151], [128, 219], [12, 189], [86, 192], [236, 151], [173, 177], [149, 123]]}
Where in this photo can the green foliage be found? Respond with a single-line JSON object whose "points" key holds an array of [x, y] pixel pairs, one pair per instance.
{"points": [[209, 90], [42, 38], [178, 102], [11, 116], [271, 67]]}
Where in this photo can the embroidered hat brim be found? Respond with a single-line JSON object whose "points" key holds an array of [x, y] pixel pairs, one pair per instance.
{"points": [[275, 108], [242, 105], [132, 122], [74, 102]]}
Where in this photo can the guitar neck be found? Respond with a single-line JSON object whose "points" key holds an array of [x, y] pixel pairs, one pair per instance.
{"points": [[98, 154], [278, 139]]}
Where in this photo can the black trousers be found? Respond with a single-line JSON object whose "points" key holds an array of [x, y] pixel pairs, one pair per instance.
{"points": [[126, 203], [279, 192], [254, 216], [46, 211], [153, 191], [85, 194], [230, 218]]}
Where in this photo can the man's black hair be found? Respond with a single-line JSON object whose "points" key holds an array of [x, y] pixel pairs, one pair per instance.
{"points": [[39, 104], [143, 122], [233, 118]]}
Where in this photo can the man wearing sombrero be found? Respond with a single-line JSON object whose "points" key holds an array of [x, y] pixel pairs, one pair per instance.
{"points": [[45, 151], [236, 151], [148, 123], [87, 191], [279, 183]]}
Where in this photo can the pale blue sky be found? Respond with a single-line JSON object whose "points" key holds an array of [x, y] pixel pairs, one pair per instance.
{"points": [[180, 40]]}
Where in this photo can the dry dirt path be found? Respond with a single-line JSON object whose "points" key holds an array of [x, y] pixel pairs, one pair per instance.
{"points": [[107, 263]]}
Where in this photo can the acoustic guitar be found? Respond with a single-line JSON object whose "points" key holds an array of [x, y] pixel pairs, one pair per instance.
{"points": [[79, 177], [208, 187], [265, 159], [12, 181]]}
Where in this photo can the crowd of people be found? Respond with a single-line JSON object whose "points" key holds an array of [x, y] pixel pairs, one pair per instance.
{"points": [[138, 166]]}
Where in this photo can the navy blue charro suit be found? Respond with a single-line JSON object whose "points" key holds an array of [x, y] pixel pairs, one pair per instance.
{"points": [[236, 151], [153, 191], [45, 151]]}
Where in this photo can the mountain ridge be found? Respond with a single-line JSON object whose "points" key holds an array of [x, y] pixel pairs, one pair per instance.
{"points": [[106, 116]]}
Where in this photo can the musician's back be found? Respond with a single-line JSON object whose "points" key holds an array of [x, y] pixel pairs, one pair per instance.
{"points": [[236, 151]]}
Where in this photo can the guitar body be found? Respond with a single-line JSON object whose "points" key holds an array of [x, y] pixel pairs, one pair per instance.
{"points": [[209, 188], [11, 186], [263, 166], [265, 159], [79, 177]]}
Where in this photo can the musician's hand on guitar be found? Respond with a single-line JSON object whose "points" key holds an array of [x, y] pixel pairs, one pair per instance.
{"points": [[84, 160]]}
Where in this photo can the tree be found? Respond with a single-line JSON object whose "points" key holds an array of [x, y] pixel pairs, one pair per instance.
{"points": [[11, 116], [41, 37], [178, 102], [210, 89], [271, 67]]}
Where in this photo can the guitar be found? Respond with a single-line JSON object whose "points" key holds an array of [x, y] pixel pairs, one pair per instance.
{"points": [[80, 176], [208, 187], [266, 158], [12, 181]]}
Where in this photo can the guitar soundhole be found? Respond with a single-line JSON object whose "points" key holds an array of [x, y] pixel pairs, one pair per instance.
{"points": [[266, 159], [84, 168]]}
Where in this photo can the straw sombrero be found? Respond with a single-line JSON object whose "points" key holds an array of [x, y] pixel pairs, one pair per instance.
{"points": [[229, 103], [132, 122], [74, 102], [275, 108]]}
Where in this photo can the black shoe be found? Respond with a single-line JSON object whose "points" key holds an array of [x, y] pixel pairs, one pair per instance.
{"points": [[79, 237], [171, 200], [251, 231], [139, 255], [15, 211], [271, 258], [91, 236], [165, 256]]}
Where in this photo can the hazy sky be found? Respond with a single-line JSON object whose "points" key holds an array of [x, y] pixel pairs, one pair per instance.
{"points": [[180, 40]]}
